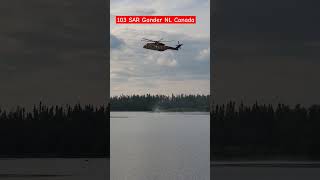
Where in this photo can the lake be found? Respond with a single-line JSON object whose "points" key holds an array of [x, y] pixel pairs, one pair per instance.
{"points": [[54, 168], [268, 170], [160, 146]]}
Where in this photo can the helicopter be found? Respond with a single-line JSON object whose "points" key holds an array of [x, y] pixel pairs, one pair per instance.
{"points": [[159, 45]]}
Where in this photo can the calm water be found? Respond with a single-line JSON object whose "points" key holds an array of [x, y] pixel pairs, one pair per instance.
{"points": [[265, 173], [160, 146], [54, 168]]}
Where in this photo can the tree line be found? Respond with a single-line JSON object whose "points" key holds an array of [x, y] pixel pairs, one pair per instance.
{"points": [[265, 132], [150, 102], [55, 131]]}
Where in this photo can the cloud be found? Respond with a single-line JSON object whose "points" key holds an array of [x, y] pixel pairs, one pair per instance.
{"points": [[204, 54], [145, 11], [139, 67], [138, 70], [132, 10], [115, 42], [199, 8], [167, 62]]}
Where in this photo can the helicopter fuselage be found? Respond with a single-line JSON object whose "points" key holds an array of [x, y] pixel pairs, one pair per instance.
{"points": [[158, 47]]}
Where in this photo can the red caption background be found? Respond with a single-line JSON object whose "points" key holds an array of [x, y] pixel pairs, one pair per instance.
{"points": [[155, 19]]}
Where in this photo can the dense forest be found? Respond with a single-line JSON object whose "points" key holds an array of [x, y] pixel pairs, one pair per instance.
{"points": [[55, 131], [265, 132], [160, 103], [79, 130]]}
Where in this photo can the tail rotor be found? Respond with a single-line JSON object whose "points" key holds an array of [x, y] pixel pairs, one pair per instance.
{"points": [[179, 45]]}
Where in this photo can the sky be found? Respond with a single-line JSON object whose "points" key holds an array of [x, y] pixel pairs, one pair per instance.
{"points": [[267, 51], [54, 52], [135, 70]]}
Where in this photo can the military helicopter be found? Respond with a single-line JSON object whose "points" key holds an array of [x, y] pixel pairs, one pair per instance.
{"points": [[158, 45]]}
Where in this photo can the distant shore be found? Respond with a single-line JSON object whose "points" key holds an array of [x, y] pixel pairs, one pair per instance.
{"points": [[164, 110], [148, 102], [276, 163], [52, 156]]}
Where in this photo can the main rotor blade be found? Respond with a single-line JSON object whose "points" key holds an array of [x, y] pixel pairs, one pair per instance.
{"points": [[148, 40], [166, 41], [145, 39]]}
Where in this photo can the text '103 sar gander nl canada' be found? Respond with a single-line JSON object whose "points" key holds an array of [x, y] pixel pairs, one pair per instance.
{"points": [[155, 19]]}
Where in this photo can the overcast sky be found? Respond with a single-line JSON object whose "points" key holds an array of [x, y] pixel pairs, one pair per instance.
{"points": [[135, 70], [268, 51], [54, 51]]}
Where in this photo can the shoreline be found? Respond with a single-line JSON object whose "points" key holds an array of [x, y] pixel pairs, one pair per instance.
{"points": [[51, 169], [51, 157], [158, 111], [264, 164]]}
